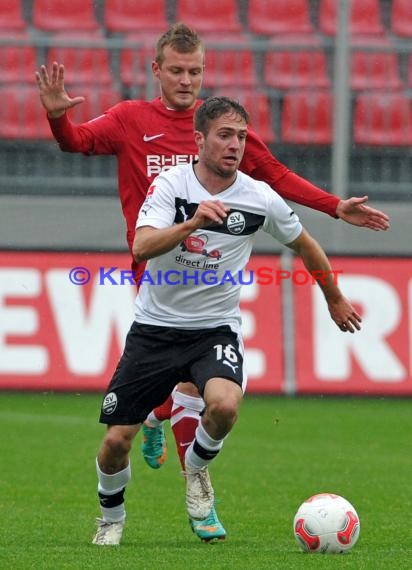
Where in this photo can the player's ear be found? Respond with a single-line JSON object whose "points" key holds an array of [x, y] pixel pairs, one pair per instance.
{"points": [[199, 138], [155, 69]]}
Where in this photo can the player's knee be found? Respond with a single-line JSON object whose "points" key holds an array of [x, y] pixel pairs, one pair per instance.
{"points": [[224, 412], [118, 442]]}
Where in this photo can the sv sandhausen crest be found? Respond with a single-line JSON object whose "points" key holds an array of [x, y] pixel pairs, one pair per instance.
{"points": [[236, 222], [109, 403]]}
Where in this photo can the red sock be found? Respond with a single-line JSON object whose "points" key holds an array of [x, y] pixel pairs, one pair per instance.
{"points": [[164, 411], [184, 421], [184, 432]]}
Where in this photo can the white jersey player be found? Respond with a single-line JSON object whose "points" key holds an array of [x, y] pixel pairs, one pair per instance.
{"points": [[192, 330], [197, 283]]}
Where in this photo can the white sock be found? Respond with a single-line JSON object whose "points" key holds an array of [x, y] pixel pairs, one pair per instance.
{"points": [[203, 449], [110, 485]]}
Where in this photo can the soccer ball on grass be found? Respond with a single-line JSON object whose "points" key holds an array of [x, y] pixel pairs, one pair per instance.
{"points": [[326, 524]]}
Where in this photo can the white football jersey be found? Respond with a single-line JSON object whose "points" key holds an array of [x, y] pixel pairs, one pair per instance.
{"points": [[197, 284]]}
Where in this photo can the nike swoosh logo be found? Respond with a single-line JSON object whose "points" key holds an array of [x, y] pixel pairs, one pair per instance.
{"points": [[185, 444], [152, 138]]}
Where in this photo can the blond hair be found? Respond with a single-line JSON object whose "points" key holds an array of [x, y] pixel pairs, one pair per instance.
{"points": [[179, 37]]}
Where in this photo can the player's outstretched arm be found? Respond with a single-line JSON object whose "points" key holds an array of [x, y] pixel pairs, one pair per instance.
{"points": [[52, 92], [259, 163], [355, 211], [317, 264]]}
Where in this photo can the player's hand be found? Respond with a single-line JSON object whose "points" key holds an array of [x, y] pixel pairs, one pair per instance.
{"points": [[355, 211], [52, 92], [344, 315], [210, 212]]}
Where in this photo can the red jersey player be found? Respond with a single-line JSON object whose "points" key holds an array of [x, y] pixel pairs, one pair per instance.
{"points": [[149, 137]]}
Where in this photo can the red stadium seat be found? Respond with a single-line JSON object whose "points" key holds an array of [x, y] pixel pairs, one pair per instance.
{"points": [[377, 69], [307, 117], [279, 17], [365, 17], [136, 58], [383, 119], [17, 63], [257, 105], [97, 100], [401, 18], [22, 115], [134, 16], [232, 63], [64, 15], [11, 15], [87, 65], [213, 16], [286, 67]]}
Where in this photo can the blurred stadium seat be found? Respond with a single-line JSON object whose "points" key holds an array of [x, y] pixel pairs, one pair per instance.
{"points": [[213, 16], [23, 117], [401, 18], [258, 106], [307, 117], [291, 63], [383, 119], [135, 59], [87, 65], [232, 65], [374, 69], [11, 15], [17, 63], [279, 17], [62, 15], [135, 15], [21, 114], [365, 17]]}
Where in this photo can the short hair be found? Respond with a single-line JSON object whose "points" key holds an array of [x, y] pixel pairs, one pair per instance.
{"points": [[179, 37], [214, 107]]}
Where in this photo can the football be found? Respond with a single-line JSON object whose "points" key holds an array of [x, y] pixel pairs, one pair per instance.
{"points": [[326, 524]]}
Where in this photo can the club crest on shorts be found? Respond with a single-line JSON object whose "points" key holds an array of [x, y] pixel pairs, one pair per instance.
{"points": [[236, 222], [109, 403]]}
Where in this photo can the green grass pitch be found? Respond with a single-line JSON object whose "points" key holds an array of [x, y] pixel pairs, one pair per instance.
{"points": [[281, 451]]}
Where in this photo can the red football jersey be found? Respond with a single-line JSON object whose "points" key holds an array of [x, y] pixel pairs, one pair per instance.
{"points": [[147, 138]]}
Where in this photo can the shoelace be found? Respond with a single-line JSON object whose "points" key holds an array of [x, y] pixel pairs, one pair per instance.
{"points": [[101, 523], [204, 483], [101, 527]]}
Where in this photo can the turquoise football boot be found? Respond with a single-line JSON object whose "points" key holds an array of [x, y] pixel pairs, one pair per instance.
{"points": [[209, 529], [154, 446]]}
